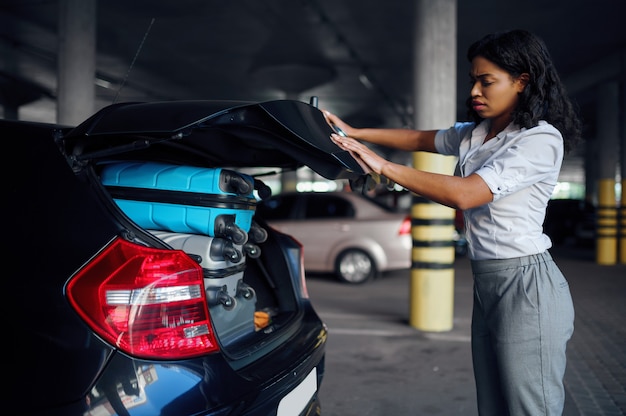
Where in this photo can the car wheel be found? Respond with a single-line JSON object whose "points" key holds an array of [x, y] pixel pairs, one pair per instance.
{"points": [[355, 266]]}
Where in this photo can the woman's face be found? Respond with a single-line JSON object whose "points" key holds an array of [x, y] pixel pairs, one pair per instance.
{"points": [[494, 93]]}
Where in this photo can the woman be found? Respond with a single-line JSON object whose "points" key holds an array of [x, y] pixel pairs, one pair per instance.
{"points": [[509, 158]]}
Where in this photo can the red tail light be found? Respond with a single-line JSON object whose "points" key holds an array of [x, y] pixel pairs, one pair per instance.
{"points": [[405, 227], [148, 302]]}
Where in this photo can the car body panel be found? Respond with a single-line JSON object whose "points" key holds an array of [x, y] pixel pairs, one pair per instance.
{"points": [[43, 231]]}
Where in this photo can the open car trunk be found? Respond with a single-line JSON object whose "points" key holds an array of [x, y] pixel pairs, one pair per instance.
{"points": [[168, 172]]}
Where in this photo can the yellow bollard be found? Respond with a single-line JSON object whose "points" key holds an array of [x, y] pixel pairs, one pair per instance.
{"points": [[432, 292], [432, 274]]}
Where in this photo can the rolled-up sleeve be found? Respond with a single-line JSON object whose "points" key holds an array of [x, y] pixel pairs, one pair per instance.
{"points": [[523, 162]]}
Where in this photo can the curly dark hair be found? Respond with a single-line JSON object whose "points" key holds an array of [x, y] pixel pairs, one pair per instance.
{"points": [[544, 98]]}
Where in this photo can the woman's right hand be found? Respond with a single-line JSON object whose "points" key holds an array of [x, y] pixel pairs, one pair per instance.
{"points": [[371, 159]]}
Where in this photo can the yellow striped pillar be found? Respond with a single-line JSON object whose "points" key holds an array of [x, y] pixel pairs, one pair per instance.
{"points": [[608, 133], [606, 223], [432, 272], [622, 224], [434, 94]]}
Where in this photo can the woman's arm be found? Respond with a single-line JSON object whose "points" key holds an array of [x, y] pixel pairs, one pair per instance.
{"points": [[403, 139], [452, 191]]}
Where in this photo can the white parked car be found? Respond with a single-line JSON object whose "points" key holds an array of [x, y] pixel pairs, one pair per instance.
{"points": [[343, 233]]}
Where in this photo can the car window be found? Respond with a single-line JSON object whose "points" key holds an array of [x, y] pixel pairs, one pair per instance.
{"points": [[328, 206], [279, 207]]}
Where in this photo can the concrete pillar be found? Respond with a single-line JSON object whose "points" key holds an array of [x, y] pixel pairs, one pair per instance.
{"points": [[10, 110], [8, 64], [76, 61], [608, 145], [592, 171], [289, 179], [434, 68]]}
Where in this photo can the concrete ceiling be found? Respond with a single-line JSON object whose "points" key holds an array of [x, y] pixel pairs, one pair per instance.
{"points": [[257, 50]]}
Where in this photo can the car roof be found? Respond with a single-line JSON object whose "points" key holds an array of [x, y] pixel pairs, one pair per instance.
{"points": [[365, 205]]}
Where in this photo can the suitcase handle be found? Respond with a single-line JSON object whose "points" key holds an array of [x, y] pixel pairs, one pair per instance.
{"points": [[225, 227], [235, 183]]}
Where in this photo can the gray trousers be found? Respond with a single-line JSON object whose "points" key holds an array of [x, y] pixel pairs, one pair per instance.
{"points": [[523, 317]]}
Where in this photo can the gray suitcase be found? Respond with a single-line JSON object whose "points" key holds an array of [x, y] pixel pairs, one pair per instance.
{"points": [[231, 301]]}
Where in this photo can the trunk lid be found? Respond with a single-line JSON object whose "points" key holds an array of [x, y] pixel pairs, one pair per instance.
{"points": [[284, 134]]}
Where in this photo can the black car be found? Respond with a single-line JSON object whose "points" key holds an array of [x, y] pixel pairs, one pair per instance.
{"points": [[106, 316], [571, 221]]}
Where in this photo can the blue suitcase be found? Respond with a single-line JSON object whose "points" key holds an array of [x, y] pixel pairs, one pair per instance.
{"points": [[185, 199]]}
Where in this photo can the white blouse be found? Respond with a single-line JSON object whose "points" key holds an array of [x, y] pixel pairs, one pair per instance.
{"points": [[521, 168]]}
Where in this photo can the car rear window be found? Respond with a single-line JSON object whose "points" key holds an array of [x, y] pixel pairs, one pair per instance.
{"points": [[305, 207], [279, 207], [328, 206]]}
